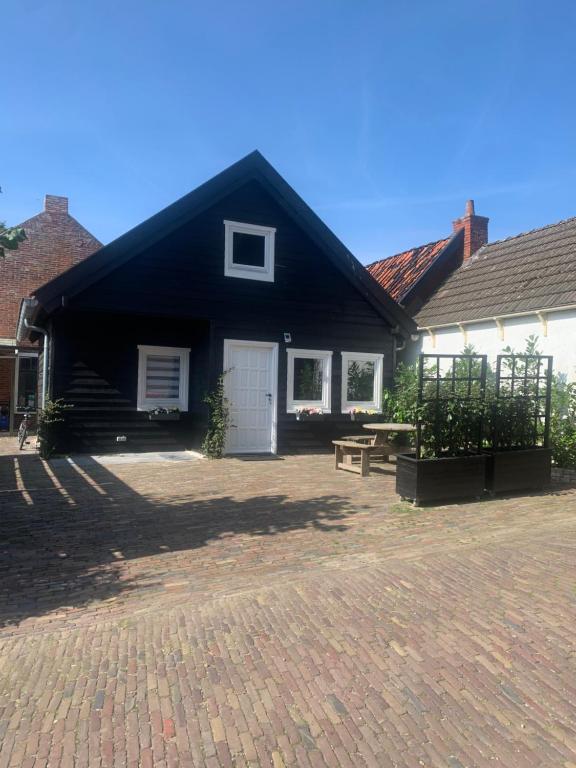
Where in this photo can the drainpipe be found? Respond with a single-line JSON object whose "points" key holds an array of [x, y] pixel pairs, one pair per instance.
{"points": [[44, 332], [401, 346]]}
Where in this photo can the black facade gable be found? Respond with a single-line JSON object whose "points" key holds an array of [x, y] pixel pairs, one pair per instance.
{"points": [[184, 275], [83, 282]]}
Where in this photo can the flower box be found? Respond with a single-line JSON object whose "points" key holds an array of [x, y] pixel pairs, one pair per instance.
{"points": [[528, 469], [364, 416], [442, 479], [309, 416], [169, 416]]}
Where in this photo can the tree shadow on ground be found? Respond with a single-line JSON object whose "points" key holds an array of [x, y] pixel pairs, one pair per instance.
{"points": [[66, 530]]}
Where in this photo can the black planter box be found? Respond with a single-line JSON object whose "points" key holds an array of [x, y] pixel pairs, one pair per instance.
{"points": [[427, 480], [309, 417], [523, 470], [164, 416]]}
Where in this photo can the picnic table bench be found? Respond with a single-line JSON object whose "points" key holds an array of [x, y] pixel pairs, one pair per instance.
{"points": [[345, 450], [364, 446]]}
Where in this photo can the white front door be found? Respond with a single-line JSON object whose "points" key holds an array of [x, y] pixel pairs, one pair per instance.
{"points": [[250, 383]]}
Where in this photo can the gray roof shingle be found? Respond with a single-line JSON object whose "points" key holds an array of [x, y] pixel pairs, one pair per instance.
{"points": [[529, 272]]}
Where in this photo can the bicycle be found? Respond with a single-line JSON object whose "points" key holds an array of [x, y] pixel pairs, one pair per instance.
{"points": [[23, 430]]}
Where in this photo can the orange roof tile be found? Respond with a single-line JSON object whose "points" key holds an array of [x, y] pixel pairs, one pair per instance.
{"points": [[398, 274]]}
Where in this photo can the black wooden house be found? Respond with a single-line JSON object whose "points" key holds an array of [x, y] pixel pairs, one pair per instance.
{"points": [[238, 276]]}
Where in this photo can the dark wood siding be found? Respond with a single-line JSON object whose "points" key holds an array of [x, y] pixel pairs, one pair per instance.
{"points": [[184, 275], [96, 371], [175, 294], [338, 337]]}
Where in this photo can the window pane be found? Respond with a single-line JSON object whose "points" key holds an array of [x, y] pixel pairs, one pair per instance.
{"points": [[248, 249], [27, 383], [360, 381], [163, 376], [308, 379]]}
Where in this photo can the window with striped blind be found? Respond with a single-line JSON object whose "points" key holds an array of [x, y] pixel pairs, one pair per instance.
{"points": [[163, 377]]}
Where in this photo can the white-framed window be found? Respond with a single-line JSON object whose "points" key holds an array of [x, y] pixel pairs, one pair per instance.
{"points": [[249, 251], [309, 379], [163, 377], [361, 381], [26, 382]]}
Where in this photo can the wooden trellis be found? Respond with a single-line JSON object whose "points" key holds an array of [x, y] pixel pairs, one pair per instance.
{"points": [[527, 378], [443, 377]]}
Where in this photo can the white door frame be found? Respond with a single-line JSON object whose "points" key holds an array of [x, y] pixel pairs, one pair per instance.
{"points": [[273, 347]]}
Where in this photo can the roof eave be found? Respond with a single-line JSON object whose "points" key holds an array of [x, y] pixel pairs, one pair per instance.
{"points": [[497, 316]]}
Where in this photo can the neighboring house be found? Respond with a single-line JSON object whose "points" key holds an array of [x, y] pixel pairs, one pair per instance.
{"points": [[239, 276], [509, 290], [55, 241], [464, 290], [412, 277], [407, 275]]}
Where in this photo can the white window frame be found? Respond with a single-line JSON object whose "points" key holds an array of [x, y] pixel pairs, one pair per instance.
{"points": [[366, 357], [19, 355], [246, 271], [325, 405], [147, 403]]}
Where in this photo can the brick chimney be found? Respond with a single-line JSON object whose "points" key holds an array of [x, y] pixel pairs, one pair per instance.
{"points": [[55, 204], [475, 230]]}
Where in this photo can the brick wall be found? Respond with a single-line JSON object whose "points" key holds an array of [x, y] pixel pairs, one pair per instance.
{"points": [[55, 242], [475, 230]]}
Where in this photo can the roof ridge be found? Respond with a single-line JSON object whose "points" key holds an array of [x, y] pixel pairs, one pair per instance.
{"points": [[414, 248], [528, 232]]}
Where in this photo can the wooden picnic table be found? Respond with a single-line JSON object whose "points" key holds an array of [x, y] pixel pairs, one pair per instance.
{"points": [[365, 447], [383, 430]]}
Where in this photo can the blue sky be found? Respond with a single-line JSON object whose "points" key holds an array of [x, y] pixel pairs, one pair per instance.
{"points": [[384, 115]]}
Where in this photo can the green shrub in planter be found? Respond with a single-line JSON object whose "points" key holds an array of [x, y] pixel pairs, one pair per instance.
{"points": [[51, 420], [519, 457], [448, 463]]}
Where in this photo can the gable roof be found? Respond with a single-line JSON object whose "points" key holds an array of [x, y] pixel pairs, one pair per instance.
{"points": [[252, 167], [399, 274], [532, 271]]}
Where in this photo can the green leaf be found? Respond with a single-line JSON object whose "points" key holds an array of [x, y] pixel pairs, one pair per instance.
{"points": [[10, 239]]}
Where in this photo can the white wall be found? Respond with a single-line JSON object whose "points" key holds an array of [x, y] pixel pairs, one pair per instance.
{"points": [[485, 337]]}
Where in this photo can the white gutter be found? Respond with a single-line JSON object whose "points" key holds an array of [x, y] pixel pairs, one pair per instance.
{"points": [[44, 332], [496, 318], [24, 325]]}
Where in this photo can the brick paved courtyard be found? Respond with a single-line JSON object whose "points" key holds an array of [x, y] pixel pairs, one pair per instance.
{"points": [[276, 613]]}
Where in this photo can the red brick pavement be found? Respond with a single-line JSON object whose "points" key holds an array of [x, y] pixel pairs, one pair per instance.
{"points": [[277, 613]]}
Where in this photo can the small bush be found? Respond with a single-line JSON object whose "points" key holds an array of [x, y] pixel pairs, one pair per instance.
{"points": [[50, 421], [400, 403], [563, 422], [214, 442]]}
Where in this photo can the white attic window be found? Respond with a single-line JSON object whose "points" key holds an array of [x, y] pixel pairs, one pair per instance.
{"points": [[249, 251]]}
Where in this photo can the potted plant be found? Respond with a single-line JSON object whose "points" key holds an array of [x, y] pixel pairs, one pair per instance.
{"points": [[309, 414], [448, 462], [164, 414], [519, 458], [363, 414]]}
